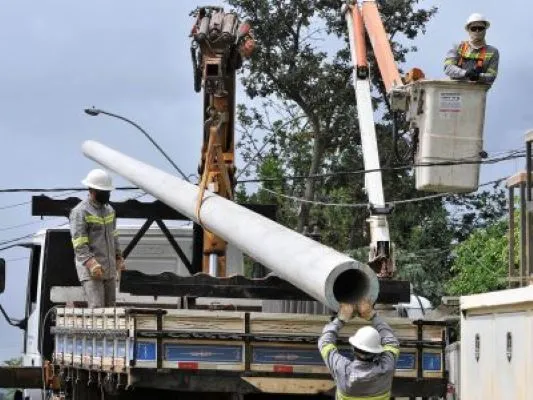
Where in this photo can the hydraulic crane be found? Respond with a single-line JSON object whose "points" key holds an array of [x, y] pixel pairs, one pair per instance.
{"points": [[445, 119], [220, 42]]}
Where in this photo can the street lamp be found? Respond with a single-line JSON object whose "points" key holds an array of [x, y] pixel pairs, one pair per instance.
{"points": [[96, 111]]}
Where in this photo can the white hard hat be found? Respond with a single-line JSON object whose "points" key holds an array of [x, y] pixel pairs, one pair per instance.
{"points": [[367, 339], [476, 17], [98, 179]]}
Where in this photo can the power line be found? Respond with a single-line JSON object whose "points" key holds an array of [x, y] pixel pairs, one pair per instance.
{"points": [[55, 219], [511, 156], [365, 205], [398, 168], [29, 201], [49, 190], [15, 239], [12, 242], [22, 225]]}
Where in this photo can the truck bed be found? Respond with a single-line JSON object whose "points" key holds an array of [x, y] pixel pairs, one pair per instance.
{"points": [[243, 351]]}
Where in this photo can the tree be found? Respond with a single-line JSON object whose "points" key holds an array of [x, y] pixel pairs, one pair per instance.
{"points": [[481, 261], [310, 82], [478, 210]]}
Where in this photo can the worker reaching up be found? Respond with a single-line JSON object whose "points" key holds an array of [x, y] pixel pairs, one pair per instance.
{"points": [[94, 237], [473, 60], [375, 349]]}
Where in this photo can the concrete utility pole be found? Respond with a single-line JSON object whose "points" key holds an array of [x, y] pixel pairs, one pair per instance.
{"points": [[322, 272]]}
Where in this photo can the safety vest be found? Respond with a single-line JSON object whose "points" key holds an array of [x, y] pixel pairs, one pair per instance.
{"points": [[342, 396], [463, 52]]}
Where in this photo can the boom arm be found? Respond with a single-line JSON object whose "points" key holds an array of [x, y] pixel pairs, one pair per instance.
{"points": [[357, 18]]}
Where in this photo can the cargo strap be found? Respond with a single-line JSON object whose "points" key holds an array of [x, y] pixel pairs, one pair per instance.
{"points": [[464, 50], [214, 159]]}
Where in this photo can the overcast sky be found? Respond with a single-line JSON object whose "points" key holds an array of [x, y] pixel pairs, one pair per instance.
{"points": [[132, 58]]}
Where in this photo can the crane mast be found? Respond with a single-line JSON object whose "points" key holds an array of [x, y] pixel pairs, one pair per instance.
{"points": [[357, 18], [220, 42]]}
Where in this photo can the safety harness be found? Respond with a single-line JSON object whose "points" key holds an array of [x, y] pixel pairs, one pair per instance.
{"points": [[464, 51]]}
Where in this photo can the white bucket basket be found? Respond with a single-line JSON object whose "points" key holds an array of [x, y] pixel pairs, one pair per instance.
{"points": [[449, 116]]}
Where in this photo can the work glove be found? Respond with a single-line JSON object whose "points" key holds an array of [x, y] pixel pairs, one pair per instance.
{"points": [[346, 312], [121, 264], [95, 269], [472, 74], [365, 309]]}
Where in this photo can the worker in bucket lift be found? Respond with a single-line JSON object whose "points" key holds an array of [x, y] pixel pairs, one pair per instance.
{"points": [[473, 60], [375, 349], [94, 237]]}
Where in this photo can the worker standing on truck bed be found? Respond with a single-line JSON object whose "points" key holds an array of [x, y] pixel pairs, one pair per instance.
{"points": [[369, 375], [93, 228], [473, 60]]}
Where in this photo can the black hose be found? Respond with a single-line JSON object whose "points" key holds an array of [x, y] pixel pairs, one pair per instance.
{"points": [[12, 322]]}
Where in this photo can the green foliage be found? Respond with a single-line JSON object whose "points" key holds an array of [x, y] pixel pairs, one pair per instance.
{"points": [[309, 115], [423, 256], [481, 261], [477, 210]]}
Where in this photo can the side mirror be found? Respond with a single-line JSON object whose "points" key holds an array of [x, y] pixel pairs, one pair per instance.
{"points": [[2, 275]]}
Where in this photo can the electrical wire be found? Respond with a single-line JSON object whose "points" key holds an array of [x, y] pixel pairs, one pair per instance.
{"points": [[397, 168], [512, 154], [257, 154], [515, 154], [6, 207], [365, 205], [23, 225], [67, 189], [17, 239]]}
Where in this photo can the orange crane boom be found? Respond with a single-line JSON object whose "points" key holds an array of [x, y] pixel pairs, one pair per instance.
{"points": [[220, 42]]}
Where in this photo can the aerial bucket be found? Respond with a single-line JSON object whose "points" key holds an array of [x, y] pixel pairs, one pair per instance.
{"points": [[449, 118]]}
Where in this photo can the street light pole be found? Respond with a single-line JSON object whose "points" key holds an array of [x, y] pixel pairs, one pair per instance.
{"points": [[96, 111]]}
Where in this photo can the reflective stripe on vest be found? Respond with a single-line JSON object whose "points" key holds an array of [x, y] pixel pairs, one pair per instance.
{"points": [[94, 219], [80, 241], [342, 396], [463, 51], [393, 349], [324, 352]]}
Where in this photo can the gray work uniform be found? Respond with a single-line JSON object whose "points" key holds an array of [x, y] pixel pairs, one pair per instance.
{"points": [[93, 230], [463, 57], [357, 379]]}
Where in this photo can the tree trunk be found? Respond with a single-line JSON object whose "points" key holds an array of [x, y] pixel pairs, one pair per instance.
{"points": [[309, 194]]}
